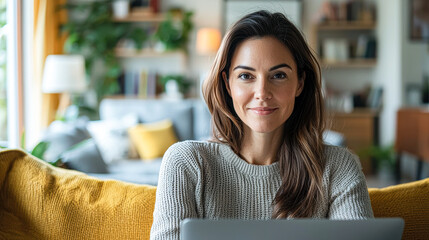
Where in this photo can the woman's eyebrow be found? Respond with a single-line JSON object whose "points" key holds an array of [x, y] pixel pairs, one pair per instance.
{"points": [[280, 66], [271, 69], [244, 67]]}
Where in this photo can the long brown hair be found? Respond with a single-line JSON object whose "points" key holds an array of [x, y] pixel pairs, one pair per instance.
{"points": [[300, 155]]}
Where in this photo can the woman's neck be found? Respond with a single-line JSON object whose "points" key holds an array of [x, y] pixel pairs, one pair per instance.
{"points": [[261, 148]]}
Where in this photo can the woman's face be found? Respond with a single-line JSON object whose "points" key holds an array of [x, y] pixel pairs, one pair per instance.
{"points": [[263, 83]]}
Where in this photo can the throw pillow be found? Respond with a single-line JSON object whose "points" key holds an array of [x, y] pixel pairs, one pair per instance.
{"points": [[84, 157], [62, 136], [111, 137], [153, 139]]}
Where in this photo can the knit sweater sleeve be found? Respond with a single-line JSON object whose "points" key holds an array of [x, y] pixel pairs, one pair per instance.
{"points": [[349, 198], [175, 196]]}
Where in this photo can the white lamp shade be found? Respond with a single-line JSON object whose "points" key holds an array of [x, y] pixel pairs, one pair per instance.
{"points": [[64, 73], [208, 40]]}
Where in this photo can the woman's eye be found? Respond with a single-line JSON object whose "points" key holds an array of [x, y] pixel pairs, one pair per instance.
{"points": [[279, 76], [244, 76]]}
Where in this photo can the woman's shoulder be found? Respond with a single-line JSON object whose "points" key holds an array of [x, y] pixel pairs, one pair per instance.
{"points": [[193, 146], [336, 156], [195, 150], [341, 160]]}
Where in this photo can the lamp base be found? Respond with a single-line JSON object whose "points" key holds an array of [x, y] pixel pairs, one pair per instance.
{"points": [[65, 101]]}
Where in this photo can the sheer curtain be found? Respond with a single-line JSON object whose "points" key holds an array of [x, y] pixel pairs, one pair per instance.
{"points": [[47, 40]]}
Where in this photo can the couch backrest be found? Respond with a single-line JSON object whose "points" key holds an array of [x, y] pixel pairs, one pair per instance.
{"points": [[190, 117], [38, 201]]}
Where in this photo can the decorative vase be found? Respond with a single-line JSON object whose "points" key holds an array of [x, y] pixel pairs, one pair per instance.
{"points": [[120, 8]]}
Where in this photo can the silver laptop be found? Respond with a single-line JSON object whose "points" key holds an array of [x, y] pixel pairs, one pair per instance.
{"points": [[297, 229]]}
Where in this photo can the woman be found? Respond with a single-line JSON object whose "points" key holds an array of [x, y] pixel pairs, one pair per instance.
{"points": [[267, 159]]}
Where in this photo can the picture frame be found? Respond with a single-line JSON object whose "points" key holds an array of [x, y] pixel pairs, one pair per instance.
{"points": [[419, 20]]}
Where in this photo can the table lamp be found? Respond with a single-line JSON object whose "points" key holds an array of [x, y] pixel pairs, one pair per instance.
{"points": [[208, 41], [64, 74]]}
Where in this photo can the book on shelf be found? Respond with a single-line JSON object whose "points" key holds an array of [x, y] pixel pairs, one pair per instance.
{"points": [[349, 11], [140, 84], [375, 98], [366, 47]]}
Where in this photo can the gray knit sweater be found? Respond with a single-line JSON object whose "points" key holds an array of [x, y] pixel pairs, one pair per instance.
{"points": [[208, 180]]}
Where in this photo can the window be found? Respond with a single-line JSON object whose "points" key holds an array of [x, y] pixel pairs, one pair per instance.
{"points": [[3, 84]]}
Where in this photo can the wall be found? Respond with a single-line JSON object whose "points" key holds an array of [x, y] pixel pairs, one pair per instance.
{"points": [[415, 55], [388, 72]]}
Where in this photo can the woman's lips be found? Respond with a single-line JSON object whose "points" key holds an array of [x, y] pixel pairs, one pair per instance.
{"points": [[263, 110]]}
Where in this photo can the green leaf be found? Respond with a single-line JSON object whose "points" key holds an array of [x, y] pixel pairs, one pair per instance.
{"points": [[40, 149], [23, 140]]}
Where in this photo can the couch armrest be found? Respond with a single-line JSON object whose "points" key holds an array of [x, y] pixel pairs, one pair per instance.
{"points": [[39, 201], [409, 201]]}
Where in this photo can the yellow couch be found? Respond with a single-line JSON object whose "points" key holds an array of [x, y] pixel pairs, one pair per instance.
{"points": [[38, 201]]}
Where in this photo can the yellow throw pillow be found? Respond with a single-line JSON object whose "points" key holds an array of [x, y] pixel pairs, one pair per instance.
{"points": [[152, 139]]}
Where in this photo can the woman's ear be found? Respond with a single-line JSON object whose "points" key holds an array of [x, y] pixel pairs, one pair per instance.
{"points": [[225, 80], [301, 83]]}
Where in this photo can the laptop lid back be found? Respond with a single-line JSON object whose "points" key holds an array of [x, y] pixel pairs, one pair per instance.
{"points": [[297, 229]]}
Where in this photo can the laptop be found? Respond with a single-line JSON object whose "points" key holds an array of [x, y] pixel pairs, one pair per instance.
{"points": [[296, 229]]}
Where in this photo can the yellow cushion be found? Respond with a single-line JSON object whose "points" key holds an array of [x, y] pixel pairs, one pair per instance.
{"points": [[409, 201], [39, 201], [152, 139]]}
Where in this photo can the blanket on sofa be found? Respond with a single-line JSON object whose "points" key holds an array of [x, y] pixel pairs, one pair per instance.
{"points": [[39, 201]]}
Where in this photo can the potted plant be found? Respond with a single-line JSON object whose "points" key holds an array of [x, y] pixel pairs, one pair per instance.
{"points": [[94, 34], [383, 158], [173, 34], [182, 82]]}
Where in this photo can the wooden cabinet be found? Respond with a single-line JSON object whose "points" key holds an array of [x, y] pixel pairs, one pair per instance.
{"points": [[412, 136], [360, 129]]}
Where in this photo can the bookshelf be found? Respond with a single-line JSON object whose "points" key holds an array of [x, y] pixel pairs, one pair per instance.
{"points": [[346, 44], [346, 25], [344, 36], [152, 18], [350, 63], [146, 18], [142, 68], [147, 53]]}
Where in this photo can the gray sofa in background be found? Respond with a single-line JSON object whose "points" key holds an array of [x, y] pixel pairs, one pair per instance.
{"points": [[78, 149], [83, 150]]}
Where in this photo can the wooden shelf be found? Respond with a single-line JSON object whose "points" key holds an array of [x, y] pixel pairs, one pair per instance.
{"points": [[351, 63], [146, 53], [346, 25], [142, 18], [149, 18], [357, 112]]}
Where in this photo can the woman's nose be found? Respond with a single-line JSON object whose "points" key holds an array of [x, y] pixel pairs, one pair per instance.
{"points": [[263, 90]]}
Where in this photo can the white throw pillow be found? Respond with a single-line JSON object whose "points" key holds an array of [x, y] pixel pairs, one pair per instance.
{"points": [[111, 137]]}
